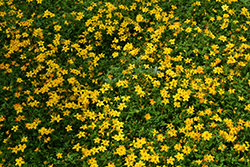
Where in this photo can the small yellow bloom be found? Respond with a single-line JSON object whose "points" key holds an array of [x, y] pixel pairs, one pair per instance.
{"points": [[19, 80], [179, 156], [241, 98], [188, 30], [115, 54], [147, 116], [223, 38], [164, 148], [68, 128], [77, 147], [222, 147], [208, 158], [39, 1], [121, 150], [24, 139], [14, 128], [206, 135], [198, 161], [59, 155], [224, 7], [19, 161], [170, 160], [139, 18], [178, 147]]}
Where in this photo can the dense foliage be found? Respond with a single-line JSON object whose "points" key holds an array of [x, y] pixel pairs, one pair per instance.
{"points": [[124, 83]]}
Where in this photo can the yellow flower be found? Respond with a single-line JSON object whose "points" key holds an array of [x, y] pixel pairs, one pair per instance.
{"points": [[179, 156], [128, 47], [154, 158], [81, 134], [139, 143], [206, 135], [208, 158], [170, 160], [222, 147], [222, 38], [145, 156], [178, 147], [152, 101], [118, 137], [121, 150], [39, 1], [110, 165], [68, 128], [247, 124], [139, 18], [190, 110], [22, 147], [164, 148], [59, 155], [56, 118], [167, 51], [15, 149], [115, 54], [14, 128], [224, 7], [24, 139], [57, 27], [188, 30], [198, 161], [177, 104], [77, 147], [19, 161], [160, 137], [241, 98], [97, 140], [19, 80], [155, 132], [186, 150], [139, 164], [147, 116], [121, 106]]}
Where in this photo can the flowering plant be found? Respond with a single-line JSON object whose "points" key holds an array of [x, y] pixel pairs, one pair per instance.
{"points": [[124, 83]]}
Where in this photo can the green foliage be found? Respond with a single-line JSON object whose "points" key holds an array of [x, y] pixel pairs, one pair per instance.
{"points": [[124, 83]]}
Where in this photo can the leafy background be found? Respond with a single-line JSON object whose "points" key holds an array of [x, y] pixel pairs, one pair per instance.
{"points": [[124, 83]]}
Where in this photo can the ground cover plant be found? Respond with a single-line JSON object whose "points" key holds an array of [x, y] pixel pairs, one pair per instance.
{"points": [[124, 83]]}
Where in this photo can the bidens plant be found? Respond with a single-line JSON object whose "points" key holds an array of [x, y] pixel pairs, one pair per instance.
{"points": [[124, 83]]}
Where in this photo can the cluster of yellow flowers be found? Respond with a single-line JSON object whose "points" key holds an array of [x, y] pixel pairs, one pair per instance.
{"points": [[171, 70]]}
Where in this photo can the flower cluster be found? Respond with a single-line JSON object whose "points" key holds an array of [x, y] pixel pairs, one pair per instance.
{"points": [[124, 83]]}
